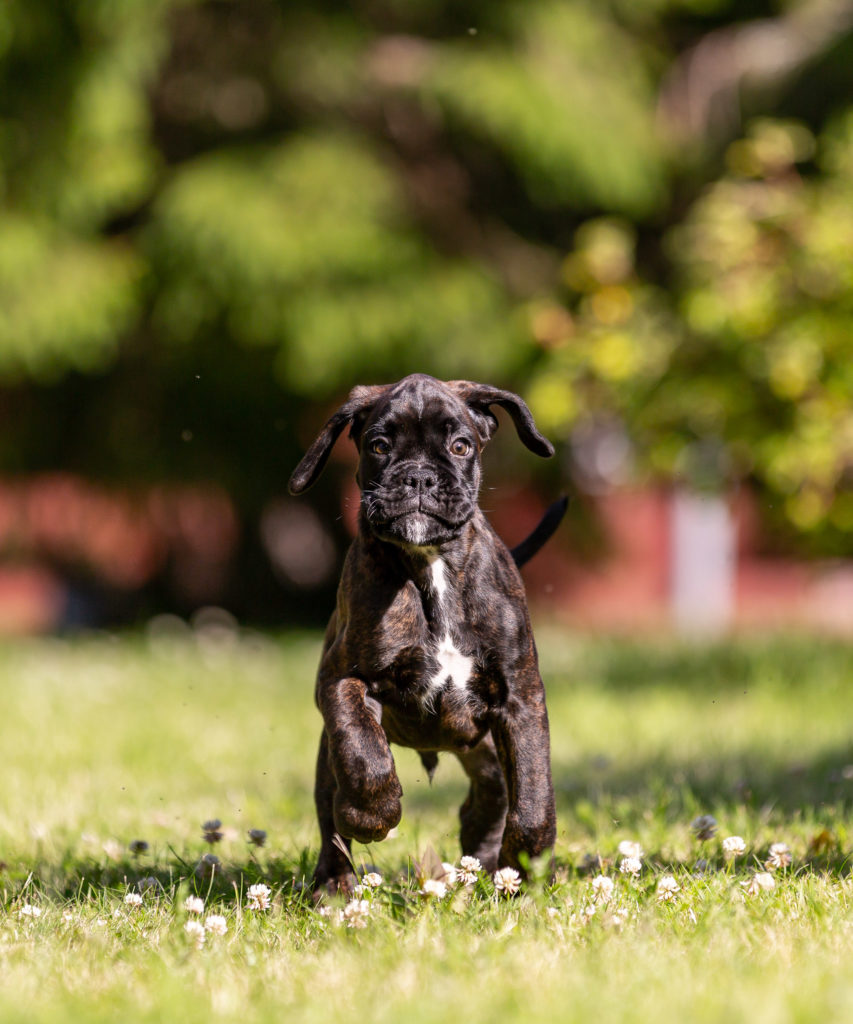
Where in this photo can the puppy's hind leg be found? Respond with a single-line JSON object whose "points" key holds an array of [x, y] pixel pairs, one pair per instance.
{"points": [[333, 872], [483, 813]]}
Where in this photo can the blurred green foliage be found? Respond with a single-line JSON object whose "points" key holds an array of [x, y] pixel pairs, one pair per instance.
{"points": [[214, 215]]}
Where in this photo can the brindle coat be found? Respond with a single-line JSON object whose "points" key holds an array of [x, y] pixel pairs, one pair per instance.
{"points": [[430, 645]]}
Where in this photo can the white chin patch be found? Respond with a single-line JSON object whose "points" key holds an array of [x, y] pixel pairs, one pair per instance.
{"points": [[416, 528]]}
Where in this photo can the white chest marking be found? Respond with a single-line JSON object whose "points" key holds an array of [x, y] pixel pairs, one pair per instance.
{"points": [[453, 666], [439, 580]]}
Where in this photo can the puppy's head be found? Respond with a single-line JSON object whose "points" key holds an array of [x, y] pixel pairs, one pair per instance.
{"points": [[419, 443]]}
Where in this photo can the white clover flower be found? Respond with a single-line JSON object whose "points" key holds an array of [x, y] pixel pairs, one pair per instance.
{"points": [[552, 912], [667, 889], [324, 911], [631, 849], [195, 931], [434, 888], [469, 868], [587, 914], [704, 827], [372, 880], [779, 856], [602, 888], [194, 905], [356, 913], [216, 924], [507, 881], [630, 866], [733, 846], [133, 899], [450, 873], [30, 910], [258, 897], [760, 881], [113, 849]]}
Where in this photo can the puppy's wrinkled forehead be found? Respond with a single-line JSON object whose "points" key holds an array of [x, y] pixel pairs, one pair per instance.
{"points": [[418, 399]]}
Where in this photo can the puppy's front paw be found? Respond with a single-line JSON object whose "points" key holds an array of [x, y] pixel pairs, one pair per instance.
{"points": [[368, 818], [529, 835]]}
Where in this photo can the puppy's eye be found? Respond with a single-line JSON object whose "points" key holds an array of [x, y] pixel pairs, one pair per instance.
{"points": [[380, 446], [460, 447]]}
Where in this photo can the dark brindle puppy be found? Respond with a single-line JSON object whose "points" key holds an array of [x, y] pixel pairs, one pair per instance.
{"points": [[430, 646]]}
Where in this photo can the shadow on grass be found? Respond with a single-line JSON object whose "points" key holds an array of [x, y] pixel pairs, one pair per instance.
{"points": [[87, 879], [595, 796]]}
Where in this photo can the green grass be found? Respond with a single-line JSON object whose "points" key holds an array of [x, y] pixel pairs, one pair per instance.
{"points": [[105, 741]]}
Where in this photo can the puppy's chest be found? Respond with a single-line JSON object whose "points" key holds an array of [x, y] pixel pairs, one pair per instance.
{"points": [[427, 645]]}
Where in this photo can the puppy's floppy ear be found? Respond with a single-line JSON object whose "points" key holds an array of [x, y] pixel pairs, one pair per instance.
{"points": [[479, 397], [359, 403]]}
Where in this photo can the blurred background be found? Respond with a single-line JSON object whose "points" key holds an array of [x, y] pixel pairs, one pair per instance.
{"points": [[217, 217]]}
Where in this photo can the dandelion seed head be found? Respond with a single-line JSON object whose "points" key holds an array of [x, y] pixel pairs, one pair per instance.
{"points": [[507, 881]]}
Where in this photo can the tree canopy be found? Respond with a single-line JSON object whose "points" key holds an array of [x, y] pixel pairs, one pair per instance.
{"points": [[216, 214]]}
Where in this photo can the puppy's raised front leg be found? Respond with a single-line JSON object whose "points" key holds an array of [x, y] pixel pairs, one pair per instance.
{"points": [[366, 804], [520, 731]]}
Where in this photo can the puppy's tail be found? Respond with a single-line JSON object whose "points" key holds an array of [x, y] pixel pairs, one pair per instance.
{"points": [[524, 551]]}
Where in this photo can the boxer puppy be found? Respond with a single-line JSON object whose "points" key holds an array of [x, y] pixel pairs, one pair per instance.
{"points": [[430, 645]]}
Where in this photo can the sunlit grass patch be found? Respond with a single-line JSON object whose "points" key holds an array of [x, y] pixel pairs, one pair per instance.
{"points": [[157, 829]]}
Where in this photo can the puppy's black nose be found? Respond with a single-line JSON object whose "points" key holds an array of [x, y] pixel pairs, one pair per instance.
{"points": [[420, 479]]}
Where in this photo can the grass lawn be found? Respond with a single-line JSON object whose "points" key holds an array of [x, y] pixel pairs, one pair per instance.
{"points": [[108, 741]]}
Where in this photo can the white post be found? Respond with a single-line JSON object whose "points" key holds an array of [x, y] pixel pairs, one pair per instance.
{"points": [[703, 552]]}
